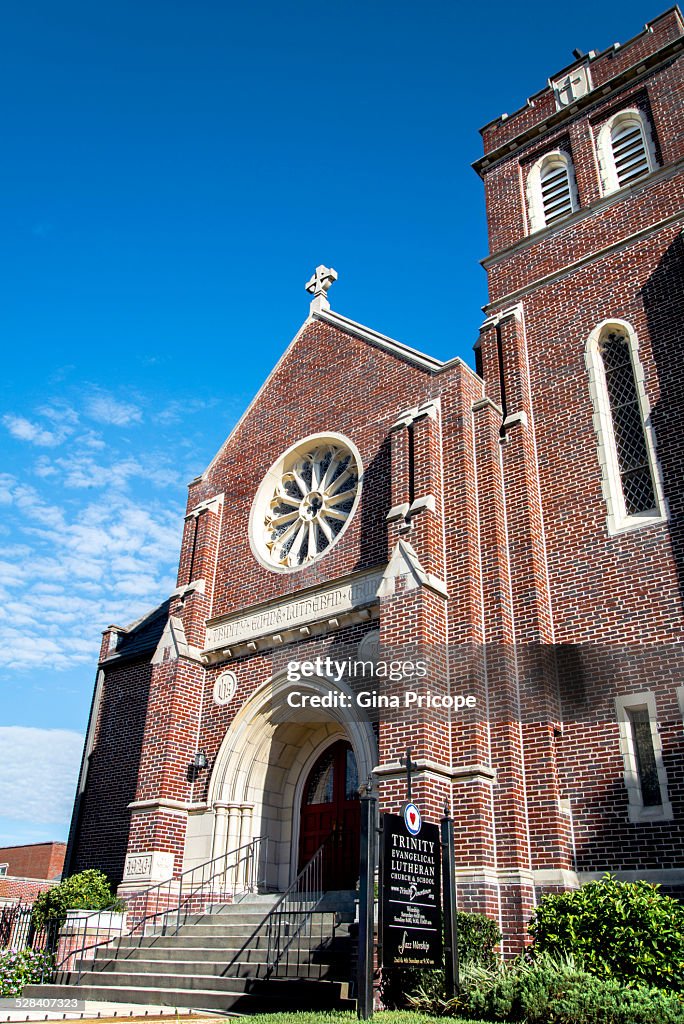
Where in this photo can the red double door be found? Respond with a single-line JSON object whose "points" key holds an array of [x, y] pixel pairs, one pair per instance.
{"points": [[331, 811]]}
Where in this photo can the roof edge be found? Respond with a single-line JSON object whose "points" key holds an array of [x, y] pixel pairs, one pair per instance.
{"points": [[430, 364], [397, 348]]}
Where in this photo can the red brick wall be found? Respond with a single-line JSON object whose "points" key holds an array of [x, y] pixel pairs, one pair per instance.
{"points": [[37, 860], [22, 890], [103, 819]]}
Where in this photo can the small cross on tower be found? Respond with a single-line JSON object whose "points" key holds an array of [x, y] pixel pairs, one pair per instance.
{"points": [[318, 286], [572, 87], [410, 767]]}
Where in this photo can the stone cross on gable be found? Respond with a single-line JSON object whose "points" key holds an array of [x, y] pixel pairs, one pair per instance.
{"points": [[318, 286]]}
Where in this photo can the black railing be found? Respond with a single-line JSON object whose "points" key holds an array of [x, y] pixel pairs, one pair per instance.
{"points": [[164, 907], [17, 930], [295, 927]]}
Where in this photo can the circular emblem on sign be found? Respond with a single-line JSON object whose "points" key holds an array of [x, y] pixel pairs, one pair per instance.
{"points": [[412, 819], [305, 502], [224, 688]]}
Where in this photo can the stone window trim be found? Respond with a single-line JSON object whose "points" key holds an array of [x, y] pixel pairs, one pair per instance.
{"points": [[618, 519], [537, 217], [325, 512], [638, 812], [680, 698], [604, 147]]}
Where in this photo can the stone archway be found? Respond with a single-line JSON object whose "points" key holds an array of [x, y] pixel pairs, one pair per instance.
{"points": [[261, 767]]}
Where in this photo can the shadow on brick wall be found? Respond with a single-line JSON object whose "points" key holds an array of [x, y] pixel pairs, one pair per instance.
{"points": [[663, 298], [102, 818]]}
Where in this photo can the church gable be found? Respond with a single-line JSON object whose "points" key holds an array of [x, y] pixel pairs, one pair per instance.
{"points": [[333, 396]]}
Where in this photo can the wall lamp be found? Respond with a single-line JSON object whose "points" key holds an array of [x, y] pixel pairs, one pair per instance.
{"points": [[200, 761]]}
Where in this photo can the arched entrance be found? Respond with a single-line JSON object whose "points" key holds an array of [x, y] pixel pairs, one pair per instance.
{"points": [[330, 814], [262, 771]]}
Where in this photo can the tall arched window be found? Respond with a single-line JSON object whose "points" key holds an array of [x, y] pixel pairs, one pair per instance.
{"points": [[551, 190], [631, 481], [625, 148]]}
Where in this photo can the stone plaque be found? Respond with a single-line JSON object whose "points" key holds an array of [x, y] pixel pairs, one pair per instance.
{"points": [[279, 616], [154, 866]]}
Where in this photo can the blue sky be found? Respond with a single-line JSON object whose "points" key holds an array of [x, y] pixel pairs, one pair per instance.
{"points": [[172, 173]]}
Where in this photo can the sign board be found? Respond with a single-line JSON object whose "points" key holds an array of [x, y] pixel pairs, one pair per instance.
{"points": [[411, 906]]}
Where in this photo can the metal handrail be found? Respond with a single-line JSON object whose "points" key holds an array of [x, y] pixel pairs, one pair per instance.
{"points": [[289, 920], [178, 893]]}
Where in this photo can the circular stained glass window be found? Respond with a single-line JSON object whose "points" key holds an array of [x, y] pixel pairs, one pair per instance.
{"points": [[305, 502]]}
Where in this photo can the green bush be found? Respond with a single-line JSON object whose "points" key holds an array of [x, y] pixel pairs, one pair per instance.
{"points": [[559, 992], [477, 937], [21, 967], [89, 890], [624, 930]]}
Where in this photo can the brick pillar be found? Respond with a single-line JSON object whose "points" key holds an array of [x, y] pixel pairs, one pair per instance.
{"points": [[413, 627], [165, 785], [198, 561], [532, 613], [512, 867], [426, 509], [400, 470]]}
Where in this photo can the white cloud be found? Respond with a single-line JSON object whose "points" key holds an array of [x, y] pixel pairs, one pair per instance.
{"points": [[39, 774], [106, 409], [86, 538], [76, 570], [91, 439], [60, 412], [177, 411], [25, 430]]}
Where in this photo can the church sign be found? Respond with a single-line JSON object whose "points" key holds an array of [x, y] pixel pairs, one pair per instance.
{"points": [[411, 904]]}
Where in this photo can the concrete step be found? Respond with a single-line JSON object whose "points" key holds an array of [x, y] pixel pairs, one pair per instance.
{"points": [[232, 926], [204, 982], [193, 939], [224, 928], [229, 969], [337, 948], [235, 915], [190, 941], [268, 996], [219, 960]]}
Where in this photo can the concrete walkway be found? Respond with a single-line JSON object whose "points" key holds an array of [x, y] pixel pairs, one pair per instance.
{"points": [[111, 1013]]}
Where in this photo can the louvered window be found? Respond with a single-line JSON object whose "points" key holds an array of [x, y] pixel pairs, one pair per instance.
{"points": [[630, 154], [556, 191], [628, 426]]}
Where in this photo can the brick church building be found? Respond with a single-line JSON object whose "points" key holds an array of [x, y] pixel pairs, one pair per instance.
{"points": [[511, 533]]}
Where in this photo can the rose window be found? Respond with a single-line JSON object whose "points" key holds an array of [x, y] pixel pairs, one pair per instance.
{"points": [[305, 502]]}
